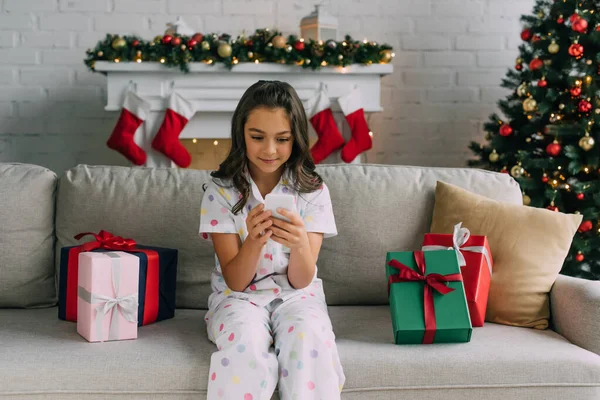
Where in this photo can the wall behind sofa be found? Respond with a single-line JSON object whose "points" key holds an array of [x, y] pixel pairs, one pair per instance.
{"points": [[450, 58]]}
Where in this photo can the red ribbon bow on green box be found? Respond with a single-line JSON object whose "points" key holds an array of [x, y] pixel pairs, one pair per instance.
{"points": [[432, 282]]}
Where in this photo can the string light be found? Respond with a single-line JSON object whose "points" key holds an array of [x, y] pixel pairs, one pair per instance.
{"points": [[371, 133], [162, 60], [117, 60], [323, 63], [194, 140], [216, 142], [256, 61]]}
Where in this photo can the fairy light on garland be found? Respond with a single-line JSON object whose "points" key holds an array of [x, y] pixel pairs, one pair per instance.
{"points": [[264, 46]]}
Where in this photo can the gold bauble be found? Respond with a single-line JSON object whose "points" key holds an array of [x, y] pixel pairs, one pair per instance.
{"points": [[529, 105], [279, 42], [157, 39], [588, 80], [586, 143], [561, 106], [288, 48], [517, 171], [119, 43], [224, 49], [494, 156], [522, 89], [386, 56], [553, 48], [205, 45], [250, 54], [526, 200], [519, 60], [100, 54]]}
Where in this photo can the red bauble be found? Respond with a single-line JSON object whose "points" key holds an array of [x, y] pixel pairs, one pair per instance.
{"points": [[580, 26], [579, 257], [560, 20], [135, 43], [580, 196], [176, 41], [249, 43], [191, 43], [553, 149], [167, 39], [536, 63], [545, 179], [519, 67], [574, 18], [197, 37], [505, 130], [552, 208], [584, 106], [504, 170], [299, 46], [542, 83], [526, 34], [585, 226], [536, 38], [576, 91], [576, 50]]}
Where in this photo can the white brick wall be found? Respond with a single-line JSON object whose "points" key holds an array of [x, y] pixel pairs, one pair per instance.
{"points": [[450, 58]]}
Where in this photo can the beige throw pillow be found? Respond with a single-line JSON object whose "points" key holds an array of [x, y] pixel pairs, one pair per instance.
{"points": [[528, 245]]}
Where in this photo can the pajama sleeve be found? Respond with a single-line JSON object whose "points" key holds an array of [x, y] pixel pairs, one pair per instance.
{"points": [[318, 213], [215, 212]]}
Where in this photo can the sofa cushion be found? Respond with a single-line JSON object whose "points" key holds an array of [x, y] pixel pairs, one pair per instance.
{"points": [[528, 245], [170, 360], [27, 236]]}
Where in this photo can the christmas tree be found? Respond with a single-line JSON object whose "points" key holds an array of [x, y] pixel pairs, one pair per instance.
{"points": [[547, 136]]}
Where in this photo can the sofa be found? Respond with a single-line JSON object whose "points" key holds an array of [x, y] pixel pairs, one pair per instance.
{"points": [[377, 208]]}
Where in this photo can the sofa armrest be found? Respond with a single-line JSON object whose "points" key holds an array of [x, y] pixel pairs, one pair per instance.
{"points": [[575, 307]]}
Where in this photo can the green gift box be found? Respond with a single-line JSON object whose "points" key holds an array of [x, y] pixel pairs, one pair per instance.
{"points": [[427, 297]]}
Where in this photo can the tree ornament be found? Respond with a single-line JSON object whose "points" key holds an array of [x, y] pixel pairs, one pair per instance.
{"points": [[386, 56], [545, 178], [580, 26], [560, 19], [585, 106], [580, 196], [576, 50], [299, 45], [205, 45], [519, 67], [588, 80], [197, 37], [579, 257], [279, 42], [176, 41], [526, 200], [575, 91], [517, 171], [536, 64], [250, 54], [192, 43], [542, 83], [493, 157], [587, 142], [585, 226], [529, 105], [553, 47], [552, 207], [505, 130], [167, 39], [522, 90], [224, 49], [332, 44], [118, 43], [554, 148], [100, 53], [135, 43], [526, 34]]}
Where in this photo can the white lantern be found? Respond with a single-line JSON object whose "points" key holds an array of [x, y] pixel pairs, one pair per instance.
{"points": [[179, 27], [319, 25]]}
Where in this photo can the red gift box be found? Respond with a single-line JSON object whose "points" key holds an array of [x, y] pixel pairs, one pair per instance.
{"points": [[475, 260]]}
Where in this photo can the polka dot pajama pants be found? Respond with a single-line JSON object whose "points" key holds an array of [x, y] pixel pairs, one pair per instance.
{"points": [[290, 344]]}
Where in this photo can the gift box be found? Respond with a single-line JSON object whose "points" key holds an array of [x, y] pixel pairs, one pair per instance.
{"points": [[475, 259], [427, 298], [157, 276], [107, 296]]}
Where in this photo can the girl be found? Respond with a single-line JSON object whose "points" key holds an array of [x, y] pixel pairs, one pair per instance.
{"points": [[265, 285]]}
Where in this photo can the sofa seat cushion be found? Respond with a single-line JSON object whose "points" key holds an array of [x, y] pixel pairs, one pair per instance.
{"points": [[42, 357]]}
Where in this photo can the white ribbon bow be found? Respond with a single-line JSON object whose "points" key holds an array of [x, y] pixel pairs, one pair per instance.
{"points": [[459, 238], [126, 305]]}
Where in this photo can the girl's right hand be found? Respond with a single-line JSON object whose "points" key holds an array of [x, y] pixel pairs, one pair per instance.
{"points": [[256, 223]]}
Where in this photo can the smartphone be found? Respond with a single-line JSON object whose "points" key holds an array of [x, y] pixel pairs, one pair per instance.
{"points": [[275, 201]]}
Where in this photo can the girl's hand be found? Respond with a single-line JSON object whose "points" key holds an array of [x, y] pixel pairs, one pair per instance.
{"points": [[257, 223], [290, 234]]}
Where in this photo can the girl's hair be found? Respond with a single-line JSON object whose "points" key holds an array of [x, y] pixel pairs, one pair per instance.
{"points": [[270, 95]]}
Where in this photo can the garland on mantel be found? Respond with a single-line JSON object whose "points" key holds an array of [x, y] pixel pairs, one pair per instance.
{"points": [[264, 46]]}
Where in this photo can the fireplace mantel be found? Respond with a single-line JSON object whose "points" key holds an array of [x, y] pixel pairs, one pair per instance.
{"points": [[215, 91]]}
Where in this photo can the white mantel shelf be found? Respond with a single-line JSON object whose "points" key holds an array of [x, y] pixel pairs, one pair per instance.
{"points": [[215, 91]]}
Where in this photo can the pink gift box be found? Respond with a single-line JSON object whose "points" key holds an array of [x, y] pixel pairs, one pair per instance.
{"points": [[107, 303]]}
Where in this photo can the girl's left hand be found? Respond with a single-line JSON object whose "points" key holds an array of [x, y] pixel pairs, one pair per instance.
{"points": [[290, 234]]}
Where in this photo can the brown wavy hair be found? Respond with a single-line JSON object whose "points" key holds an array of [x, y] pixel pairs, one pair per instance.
{"points": [[269, 94]]}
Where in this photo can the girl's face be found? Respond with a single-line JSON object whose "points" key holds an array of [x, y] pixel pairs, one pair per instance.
{"points": [[269, 139]]}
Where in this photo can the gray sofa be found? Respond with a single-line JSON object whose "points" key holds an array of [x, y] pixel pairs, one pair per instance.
{"points": [[377, 208]]}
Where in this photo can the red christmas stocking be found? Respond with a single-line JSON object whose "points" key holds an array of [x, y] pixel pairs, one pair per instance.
{"points": [[321, 118], [134, 112], [351, 105], [166, 140]]}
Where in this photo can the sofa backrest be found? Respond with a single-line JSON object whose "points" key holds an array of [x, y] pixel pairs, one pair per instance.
{"points": [[27, 194], [377, 209]]}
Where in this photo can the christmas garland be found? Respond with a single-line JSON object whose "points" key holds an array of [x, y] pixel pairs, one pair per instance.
{"points": [[264, 46]]}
